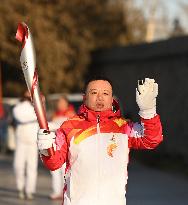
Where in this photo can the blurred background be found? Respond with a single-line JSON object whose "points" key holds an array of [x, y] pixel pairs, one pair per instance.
{"points": [[125, 40]]}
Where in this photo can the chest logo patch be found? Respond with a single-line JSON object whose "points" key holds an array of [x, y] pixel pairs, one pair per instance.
{"points": [[112, 146]]}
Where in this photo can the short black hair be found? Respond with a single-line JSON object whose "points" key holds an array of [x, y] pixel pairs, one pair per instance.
{"points": [[94, 78]]}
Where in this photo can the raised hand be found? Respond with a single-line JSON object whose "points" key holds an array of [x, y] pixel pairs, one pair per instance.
{"points": [[146, 94]]}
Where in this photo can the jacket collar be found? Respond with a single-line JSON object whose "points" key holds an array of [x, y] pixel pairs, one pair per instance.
{"points": [[91, 115]]}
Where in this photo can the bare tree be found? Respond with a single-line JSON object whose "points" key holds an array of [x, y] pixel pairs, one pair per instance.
{"points": [[157, 20], [65, 33]]}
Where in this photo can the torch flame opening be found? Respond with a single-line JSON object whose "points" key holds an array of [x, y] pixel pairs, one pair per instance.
{"points": [[22, 33]]}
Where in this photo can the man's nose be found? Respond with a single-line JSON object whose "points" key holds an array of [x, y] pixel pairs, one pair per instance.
{"points": [[99, 96]]}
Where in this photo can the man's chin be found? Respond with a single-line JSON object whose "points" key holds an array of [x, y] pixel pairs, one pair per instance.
{"points": [[98, 109], [101, 109]]}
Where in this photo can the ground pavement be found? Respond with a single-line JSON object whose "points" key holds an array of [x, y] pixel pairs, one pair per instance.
{"points": [[146, 186]]}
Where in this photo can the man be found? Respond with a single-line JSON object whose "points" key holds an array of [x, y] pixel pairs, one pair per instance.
{"points": [[96, 143]]}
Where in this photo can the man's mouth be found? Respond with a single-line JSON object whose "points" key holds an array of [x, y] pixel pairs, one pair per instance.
{"points": [[99, 105]]}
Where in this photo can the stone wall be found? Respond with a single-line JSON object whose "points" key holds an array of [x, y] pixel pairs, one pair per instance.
{"points": [[167, 63]]}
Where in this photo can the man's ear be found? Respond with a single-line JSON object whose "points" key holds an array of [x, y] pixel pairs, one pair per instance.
{"points": [[112, 103], [112, 99]]}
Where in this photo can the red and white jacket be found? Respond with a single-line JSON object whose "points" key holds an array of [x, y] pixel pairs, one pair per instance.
{"points": [[96, 147]]}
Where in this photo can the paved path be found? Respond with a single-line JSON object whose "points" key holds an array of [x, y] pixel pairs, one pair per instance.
{"points": [[146, 186], [149, 186], [8, 193]]}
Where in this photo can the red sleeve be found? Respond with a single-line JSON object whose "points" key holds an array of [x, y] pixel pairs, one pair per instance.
{"points": [[59, 158], [146, 135]]}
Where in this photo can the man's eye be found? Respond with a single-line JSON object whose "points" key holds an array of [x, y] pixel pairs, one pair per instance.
{"points": [[105, 93], [94, 93]]}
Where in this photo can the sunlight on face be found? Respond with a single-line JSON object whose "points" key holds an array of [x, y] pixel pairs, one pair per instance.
{"points": [[99, 95]]}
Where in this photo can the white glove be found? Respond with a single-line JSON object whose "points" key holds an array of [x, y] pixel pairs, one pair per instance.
{"points": [[146, 98], [45, 140]]}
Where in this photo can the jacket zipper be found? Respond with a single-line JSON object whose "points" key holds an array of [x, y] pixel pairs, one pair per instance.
{"points": [[98, 154], [98, 121]]}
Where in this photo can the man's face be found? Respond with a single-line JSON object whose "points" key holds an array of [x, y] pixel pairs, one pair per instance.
{"points": [[99, 95]]}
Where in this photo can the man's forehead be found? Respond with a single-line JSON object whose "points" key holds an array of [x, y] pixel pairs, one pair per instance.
{"points": [[100, 89], [99, 85]]}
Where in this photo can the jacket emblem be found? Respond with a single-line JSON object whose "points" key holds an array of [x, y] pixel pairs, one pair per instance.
{"points": [[112, 146]]}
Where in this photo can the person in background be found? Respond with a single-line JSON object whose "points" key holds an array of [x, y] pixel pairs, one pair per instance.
{"points": [[26, 152], [64, 110], [95, 144]]}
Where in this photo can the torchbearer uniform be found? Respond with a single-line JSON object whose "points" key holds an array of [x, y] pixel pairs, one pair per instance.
{"points": [[95, 146], [26, 153]]}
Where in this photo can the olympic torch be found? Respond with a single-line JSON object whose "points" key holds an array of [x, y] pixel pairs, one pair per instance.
{"points": [[28, 64]]}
